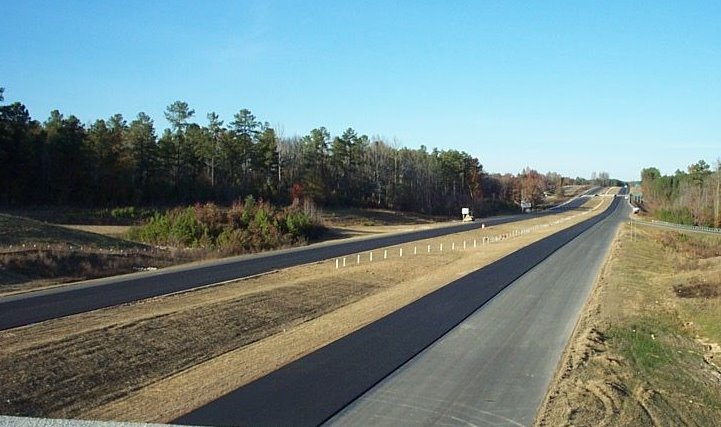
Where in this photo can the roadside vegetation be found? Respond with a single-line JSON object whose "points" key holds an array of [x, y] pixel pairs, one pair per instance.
{"points": [[246, 227], [690, 198], [36, 254], [647, 350]]}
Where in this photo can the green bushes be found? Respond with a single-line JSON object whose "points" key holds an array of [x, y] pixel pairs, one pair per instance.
{"points": [[679, 216], [246, 227], [124, 212]]}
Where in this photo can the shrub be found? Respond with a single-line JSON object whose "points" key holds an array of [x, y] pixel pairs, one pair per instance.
{"points": [[128, 212], [247, 227], [185, 230], [679, 216]]}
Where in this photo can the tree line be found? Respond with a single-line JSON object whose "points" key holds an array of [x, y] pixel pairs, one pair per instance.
{"points": [[691, 197], [113, 162]]}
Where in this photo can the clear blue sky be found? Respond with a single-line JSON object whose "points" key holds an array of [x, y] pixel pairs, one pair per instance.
{"points": [[572, 87]]}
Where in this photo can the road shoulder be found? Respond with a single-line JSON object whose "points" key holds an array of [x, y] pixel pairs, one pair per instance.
{"points": [[642, 352]]}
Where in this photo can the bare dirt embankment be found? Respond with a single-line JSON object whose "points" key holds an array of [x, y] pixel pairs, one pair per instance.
{"points": [[646, 351], [157, 359], [36, 254]]}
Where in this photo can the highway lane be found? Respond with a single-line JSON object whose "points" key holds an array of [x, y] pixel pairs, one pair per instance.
{"points": [[495, 367], [32, 307], [310, 390]]}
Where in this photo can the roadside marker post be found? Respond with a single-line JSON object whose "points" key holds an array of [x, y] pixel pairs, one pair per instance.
{"points": [[474, 243], [343, 261], [415, 250], [385, 253], [441, 247], [453, 246], [464, 245], [400, 252], [336, 263], [429, 248], [358, 262], [371, 256]]}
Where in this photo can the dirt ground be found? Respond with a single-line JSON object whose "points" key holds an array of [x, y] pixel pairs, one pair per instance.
{"points": [[157, 359], [646, 349]]}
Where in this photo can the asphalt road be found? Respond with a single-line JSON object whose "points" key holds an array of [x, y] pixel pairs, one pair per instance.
{"points": [[495, 367], [314, 388], [32, 307]]}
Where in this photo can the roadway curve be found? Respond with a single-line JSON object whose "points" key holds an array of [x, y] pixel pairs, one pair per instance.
{"points": [[312, 389], [38, 306]]}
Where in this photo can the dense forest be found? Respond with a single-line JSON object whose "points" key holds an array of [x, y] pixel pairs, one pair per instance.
{"points": [[113, 162], [690, 197]]}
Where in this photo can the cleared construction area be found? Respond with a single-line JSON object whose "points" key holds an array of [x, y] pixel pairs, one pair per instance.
{"points": [[138, 361]]}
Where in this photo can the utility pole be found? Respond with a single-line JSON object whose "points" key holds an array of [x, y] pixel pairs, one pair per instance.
{"points": [[717, 219]]}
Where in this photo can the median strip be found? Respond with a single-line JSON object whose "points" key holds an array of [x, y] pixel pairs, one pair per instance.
{"points": [[215, 364]]}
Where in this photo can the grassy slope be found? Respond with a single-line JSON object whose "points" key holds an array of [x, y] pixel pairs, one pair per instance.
{"points": [[644, 355], [17, 231], [36, 254]]}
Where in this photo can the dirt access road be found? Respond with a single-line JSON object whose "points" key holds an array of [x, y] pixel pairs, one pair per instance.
{"points": [[136, 362]]}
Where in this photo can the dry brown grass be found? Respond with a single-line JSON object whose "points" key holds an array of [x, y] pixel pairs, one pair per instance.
{"points": [[32, 269], [697, 287]]}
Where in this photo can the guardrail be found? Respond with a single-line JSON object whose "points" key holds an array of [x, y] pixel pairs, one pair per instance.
{"points": [[680, 226]]}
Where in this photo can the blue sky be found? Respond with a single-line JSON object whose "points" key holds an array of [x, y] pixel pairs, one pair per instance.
{"points": [[571, 87]]}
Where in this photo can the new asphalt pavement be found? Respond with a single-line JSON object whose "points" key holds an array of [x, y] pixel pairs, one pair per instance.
{"points": [[495, 367], [319, 386]]}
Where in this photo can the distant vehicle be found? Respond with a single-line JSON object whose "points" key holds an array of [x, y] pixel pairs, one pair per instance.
{"points": [[636, 209]]}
